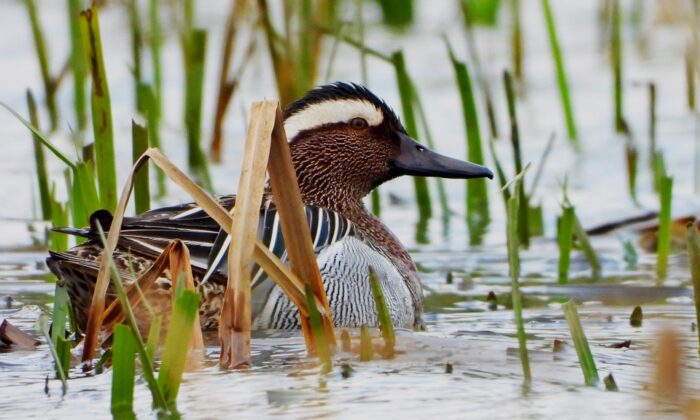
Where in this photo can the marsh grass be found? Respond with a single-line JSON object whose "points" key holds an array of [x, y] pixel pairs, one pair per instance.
{"points": [[386, 326], [101, 111], [583, 351], [403, 80], [512, 236], [61, 373], [40, 161], [562, 79], [616, 58], [50, 84], [663, 247], [142, 191], [78, 63], [693, 243], [477, 195], [322, 346], [123, 372], [565, 236]]}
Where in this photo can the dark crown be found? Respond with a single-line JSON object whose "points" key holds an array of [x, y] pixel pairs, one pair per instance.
{"points": [[343, 90]]}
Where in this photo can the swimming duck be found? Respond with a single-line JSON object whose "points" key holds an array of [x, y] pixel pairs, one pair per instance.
{"points": [[344, 141]]}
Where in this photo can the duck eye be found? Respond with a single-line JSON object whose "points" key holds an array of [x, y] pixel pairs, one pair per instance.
{"points": [[359, 123]]}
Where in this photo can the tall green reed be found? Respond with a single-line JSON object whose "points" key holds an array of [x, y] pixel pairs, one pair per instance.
{"points": [[562, 81], [50, 84], [78, 63], [616, 57], [123, 372], [663, 247], [101, 111], [512, 232], [142, 192], [40, 161], [476, 194]]}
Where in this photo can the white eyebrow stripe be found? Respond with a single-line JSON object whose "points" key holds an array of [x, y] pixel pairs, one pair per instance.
{"points": [[329, 112]]}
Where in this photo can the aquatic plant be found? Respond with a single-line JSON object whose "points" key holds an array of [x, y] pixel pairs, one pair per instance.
{"points": [[562, 81], [585, 357]]}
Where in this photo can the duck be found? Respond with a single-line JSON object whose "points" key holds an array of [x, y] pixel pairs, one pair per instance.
{"points": [[345, 141]]}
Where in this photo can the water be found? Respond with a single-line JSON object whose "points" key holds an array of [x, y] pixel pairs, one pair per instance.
{"points": [[479, 343]]}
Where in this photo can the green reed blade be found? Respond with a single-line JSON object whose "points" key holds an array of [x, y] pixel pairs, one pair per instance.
{"points": [[150, 103], [376, 202], [565, 236], [84, 199], [516, 41], [59, 218], [631, 158], [500, 174], [535, 220], [59, 318], [659, 170], [142, 194], [177, 344], [562, 81], [427, 135], [514, 268], [43, 323], [39, 136], [194, 91], [303, 62], [585, 357], [154, 335], [663, 246], [40, 161], [156, 40], [42, 55], [690, 77], [366, 350], [79, 66], [159, 401], [481, 12], [693, 241], [123, 372], [425, 210], [587, 248], [101, 111], [397, 13], [616, 61], [136, 44], [386, 326], [322, 343], [476, 194], [523, 231]]}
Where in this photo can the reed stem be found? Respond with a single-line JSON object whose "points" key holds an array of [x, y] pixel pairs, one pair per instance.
{"points": [[585, 357]]}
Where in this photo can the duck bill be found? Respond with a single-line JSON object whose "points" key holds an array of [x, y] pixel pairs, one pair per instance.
{"points": [[416, 159]]}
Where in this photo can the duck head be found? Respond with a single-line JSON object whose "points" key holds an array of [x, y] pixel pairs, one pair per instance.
{"points": [[345, 142]]}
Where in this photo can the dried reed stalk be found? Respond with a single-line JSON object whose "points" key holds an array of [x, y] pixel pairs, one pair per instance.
{"points": [[235, 322]]}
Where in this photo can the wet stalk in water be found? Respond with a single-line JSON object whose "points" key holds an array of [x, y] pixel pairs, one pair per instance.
{"points": [[565, 236], [123, 372], [663, 246], [386, 326], [561, 75], [101, 111], [693, 242], [322, 346], [514, 267], [585, 357], [477, 194], [652, 124]]}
